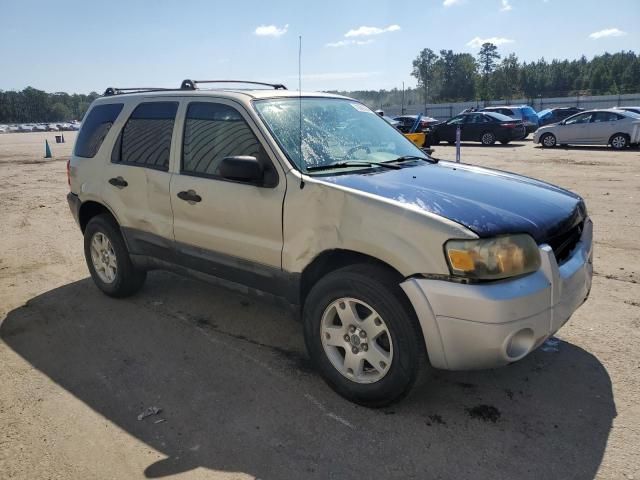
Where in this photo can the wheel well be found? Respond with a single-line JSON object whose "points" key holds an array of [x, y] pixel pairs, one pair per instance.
{"points": [[90, 209], [619, 133], [331, 260]]}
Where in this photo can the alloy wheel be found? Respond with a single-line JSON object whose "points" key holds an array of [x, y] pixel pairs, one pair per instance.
{"points": [[356, 340], [103, 257]]}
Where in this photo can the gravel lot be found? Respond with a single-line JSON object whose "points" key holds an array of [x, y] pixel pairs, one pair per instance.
{"points": [[231, 376]]}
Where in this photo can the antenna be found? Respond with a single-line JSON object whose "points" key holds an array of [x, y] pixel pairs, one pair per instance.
{"points": [[302, 163]]}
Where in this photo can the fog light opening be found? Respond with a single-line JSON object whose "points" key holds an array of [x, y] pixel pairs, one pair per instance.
{"points": [[520, 344]]}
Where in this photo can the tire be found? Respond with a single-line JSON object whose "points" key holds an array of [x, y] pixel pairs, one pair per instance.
{"points": [[488, 138], [108, 258], [548, 140], [619, 141], [505, 142], [368, 292]]}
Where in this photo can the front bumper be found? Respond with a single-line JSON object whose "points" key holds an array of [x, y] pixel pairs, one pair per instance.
{"points": [[472, 326]]}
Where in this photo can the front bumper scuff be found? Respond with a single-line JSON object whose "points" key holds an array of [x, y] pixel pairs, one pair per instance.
{"points": [[472, 326]]}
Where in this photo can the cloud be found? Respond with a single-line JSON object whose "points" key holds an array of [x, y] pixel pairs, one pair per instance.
{"points": [[607, 32], [450, 3], [344, 43], [506, 6], [477, 41], [271, 30], [336, 75], [367, 31]]}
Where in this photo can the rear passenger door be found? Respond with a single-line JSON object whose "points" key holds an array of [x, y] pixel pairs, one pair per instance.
{"points": [[473, 127], [234, 229], [603, 126], [137, 178]]}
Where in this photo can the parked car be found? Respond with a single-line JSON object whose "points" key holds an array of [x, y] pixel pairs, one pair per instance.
{"points": [[25, 128], [521, 112], [629, 109], [391, 257], [618, 128], [407, 122], [13, 129], [391, 121], [485, 127], [4, 128], [555, 115], [52, 127]]}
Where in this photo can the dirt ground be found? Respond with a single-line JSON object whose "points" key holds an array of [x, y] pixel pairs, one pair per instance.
{"points": [[231, 376]]}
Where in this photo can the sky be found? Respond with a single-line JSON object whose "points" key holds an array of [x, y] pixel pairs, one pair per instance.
{"points": [[83, 46]]}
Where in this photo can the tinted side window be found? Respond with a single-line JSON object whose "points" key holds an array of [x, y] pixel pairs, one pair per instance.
{"points": [[145, 139], [606, 117], [213, 131], [94, 128]]}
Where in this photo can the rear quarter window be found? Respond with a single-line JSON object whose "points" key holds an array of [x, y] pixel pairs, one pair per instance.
{"points": [[94, 129]]}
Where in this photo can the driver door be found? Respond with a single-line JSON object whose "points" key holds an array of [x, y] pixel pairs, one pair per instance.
{"points": [[229, 229], [575, 129]]}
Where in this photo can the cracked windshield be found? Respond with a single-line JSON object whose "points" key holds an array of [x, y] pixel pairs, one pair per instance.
{"points": [[332, 131]]}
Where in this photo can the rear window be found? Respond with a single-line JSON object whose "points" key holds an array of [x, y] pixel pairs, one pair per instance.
{"points": [[145, 140], [94, 128]]}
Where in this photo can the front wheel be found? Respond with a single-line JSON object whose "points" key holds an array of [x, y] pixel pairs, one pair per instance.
{"points": [[548, 140], [363, 336], [108, 258], [488, 138]]}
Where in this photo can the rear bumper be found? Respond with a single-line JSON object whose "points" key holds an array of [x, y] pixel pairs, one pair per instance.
{"points": [[74, 205], [483, 326]]}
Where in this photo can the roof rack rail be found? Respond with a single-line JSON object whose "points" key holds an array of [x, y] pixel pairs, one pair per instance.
{"points": [[186, 85], [192, 84], [119, 91]]}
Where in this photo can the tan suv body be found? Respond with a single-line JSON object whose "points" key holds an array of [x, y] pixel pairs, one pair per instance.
{"points": [[235, 185]]}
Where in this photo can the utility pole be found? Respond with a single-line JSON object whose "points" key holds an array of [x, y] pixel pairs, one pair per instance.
{"points": [[402, 109]]}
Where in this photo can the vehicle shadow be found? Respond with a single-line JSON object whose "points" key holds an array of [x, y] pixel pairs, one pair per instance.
{"points": [[238, 395], [587, 148]]}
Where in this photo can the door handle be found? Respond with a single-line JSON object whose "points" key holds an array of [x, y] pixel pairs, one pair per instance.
{"points": [[189, 196], [118, 182]]}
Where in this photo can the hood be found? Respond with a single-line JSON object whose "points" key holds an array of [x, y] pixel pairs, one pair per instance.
{"points": [[488, 202]]}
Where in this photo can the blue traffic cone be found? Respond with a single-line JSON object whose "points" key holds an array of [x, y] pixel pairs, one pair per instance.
{"points": [[47, 149]]}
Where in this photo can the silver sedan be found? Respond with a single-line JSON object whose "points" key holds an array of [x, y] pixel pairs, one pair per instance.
{"points": [[618, 128]]}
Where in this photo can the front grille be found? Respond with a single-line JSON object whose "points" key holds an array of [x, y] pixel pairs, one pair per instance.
{"points": [[564, 243]]}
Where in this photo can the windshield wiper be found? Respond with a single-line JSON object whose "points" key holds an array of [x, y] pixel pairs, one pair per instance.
{"points": [[352, 163], [415, 157]]}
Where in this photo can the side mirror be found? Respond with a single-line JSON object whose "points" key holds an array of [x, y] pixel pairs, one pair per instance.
{"points": [[242, 168]]}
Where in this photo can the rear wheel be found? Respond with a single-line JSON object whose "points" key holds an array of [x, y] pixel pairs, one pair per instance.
{"points": [[505, 142], [548, 140], [108, 258], [488, 138], [619, 141], [363, 336]]}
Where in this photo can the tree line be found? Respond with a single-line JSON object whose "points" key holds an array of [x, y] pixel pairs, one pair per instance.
{"points": [[448, 76], [32, 105]]}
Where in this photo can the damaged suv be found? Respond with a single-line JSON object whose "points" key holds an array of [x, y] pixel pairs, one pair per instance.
{"points": [[394, 259]]}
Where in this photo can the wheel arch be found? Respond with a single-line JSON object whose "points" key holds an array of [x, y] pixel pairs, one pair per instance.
{"points": [[90, 209], [333, 259], [626, 135]]}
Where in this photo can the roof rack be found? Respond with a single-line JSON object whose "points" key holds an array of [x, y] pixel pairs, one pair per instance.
{"points": [[186, 85], [192, 84]]}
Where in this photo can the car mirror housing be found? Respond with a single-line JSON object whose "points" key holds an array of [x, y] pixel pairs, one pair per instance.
{"points": [[242, 168]]}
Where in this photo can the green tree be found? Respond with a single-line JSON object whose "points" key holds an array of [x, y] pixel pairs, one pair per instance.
{"points": [[487, 60], [424, 70]]}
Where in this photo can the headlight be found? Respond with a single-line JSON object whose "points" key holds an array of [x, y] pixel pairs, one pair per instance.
{"points": [[493, 258]]}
